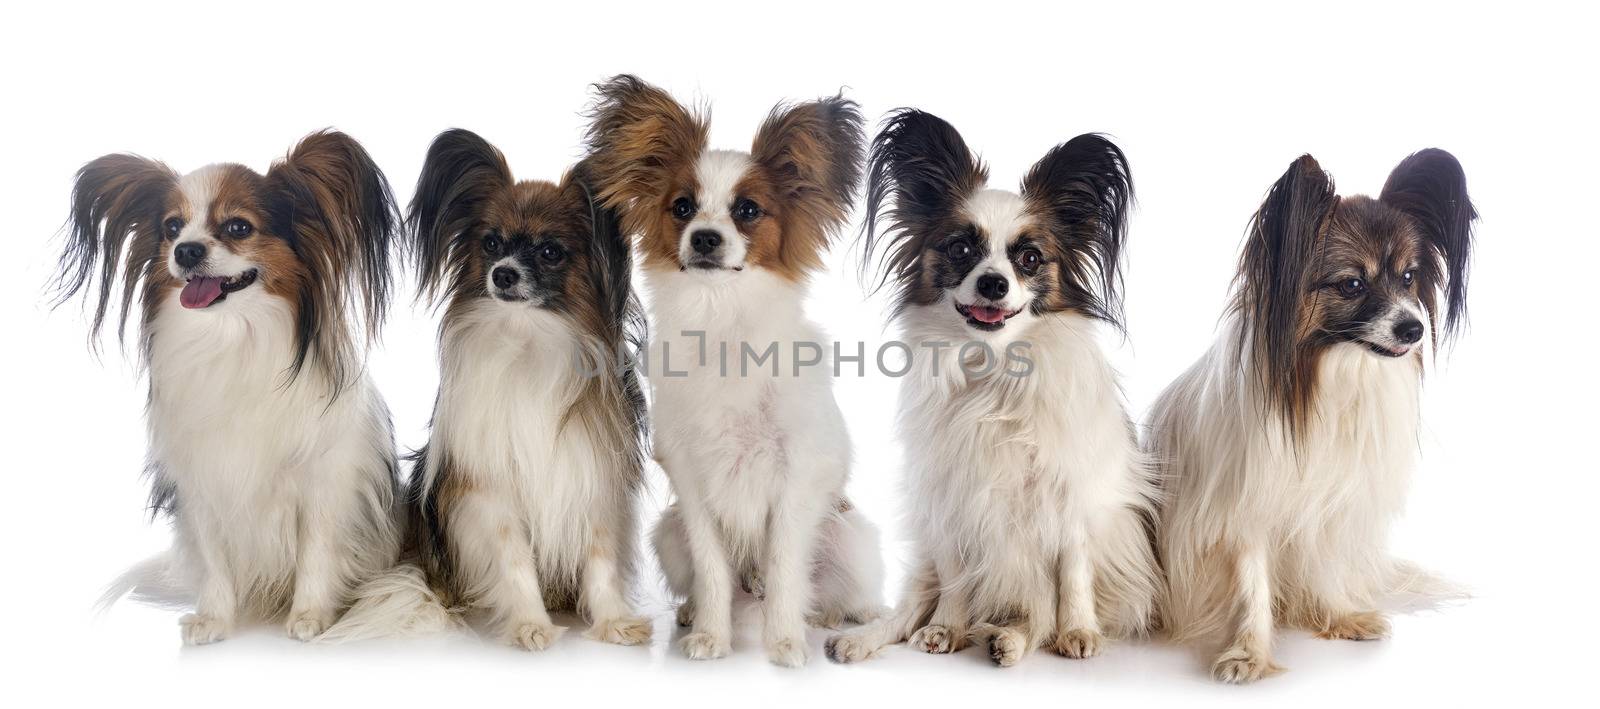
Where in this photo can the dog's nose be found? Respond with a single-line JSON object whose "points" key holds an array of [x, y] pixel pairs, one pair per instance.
{"points": [[505, 277], [189, 254], [1408, 330], [993, 287], [705, 241]]}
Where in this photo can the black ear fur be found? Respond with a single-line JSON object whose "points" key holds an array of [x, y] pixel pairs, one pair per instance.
{"points": [[920, 162], [461, 172], [1085, 186], [1280, 250], [1430, 187], [117, 205]]}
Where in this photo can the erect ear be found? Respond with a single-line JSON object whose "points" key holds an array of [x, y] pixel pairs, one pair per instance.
{"points": [[920, 162], [1274, 274], [812, 153], [637, 136], [1082, 188], [1430, 187], [336, 209], [461, 173], [117, 204]]}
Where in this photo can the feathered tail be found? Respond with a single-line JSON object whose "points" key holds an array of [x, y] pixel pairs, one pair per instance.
{"points": [[154, 581], [397, 603]]}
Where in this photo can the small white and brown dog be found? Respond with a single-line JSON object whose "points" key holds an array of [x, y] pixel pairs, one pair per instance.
{"points": [[523, 499], [757, 456], [1287, 448], [1028, 498], [269, 447]]}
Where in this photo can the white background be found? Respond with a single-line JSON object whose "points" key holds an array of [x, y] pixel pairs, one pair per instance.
{"points": [[1210, 103]]}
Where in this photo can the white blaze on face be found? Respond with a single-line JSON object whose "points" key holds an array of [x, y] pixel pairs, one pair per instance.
{"points": [[1000, 217], [198, 190], [717, 173]]}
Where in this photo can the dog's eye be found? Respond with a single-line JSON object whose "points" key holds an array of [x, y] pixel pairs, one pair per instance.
{"points": [[1352, 287], [959, 250], [492, 244], [1029, 261], [746, 210], [551, 254], [1409, 277], [237, 228], [683, 209], [172, 227]]}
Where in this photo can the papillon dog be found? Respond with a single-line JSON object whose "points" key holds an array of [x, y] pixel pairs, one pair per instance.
{"points": [[757, 459], [523, 499], [1030, 503], [1286, 449], [269, 447]]}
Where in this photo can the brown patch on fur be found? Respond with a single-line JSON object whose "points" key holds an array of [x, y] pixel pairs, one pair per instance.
{"points": [[809, 161]]}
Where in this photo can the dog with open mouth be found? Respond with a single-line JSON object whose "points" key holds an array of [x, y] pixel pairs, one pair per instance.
{"points": [[270, 448], [1030, 502], [757, 458], [1286, 449]]}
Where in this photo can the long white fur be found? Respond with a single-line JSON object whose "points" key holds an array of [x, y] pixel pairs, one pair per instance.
{"points": [[1026, 492], [284, 494]]}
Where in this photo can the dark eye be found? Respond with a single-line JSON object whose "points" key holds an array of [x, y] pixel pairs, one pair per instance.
{"points": [[683, 208], [1409, 277], [237, 228], [551, 254], [492, 244], [746, 210], [172, 227], [959, 250], [1352, 287], [1029, 260]]}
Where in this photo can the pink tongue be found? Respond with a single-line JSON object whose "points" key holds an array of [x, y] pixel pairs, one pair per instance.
{"points": [[986, 315], [200, 292]]}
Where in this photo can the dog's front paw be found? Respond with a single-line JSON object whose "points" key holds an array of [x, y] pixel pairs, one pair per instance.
{"points": [[1078, 644], [305, 626], [937, 639], [620, 631], [845, 649], [535, 635], [1369, 625], [1237, 665], [1007, 646], [787, 652], [704, 646], [200, 629]]}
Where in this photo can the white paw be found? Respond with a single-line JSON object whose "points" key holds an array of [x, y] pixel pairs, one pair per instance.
{"points": [[307, 625], [202, 629], [1078, 644], [1237, 665], [1369, 625], [1006, 647], [704, 646], [620, 631], [937, 639], [787, 652], [535, 635], [845, 649]]}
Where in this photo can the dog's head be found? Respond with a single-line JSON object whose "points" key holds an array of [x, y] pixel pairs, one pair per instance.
{"points": [[991, 259], [1322, 271], [477, 233], [313, 232], [719, 212]]}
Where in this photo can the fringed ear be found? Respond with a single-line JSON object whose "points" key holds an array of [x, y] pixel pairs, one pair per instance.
{"points": [[1083, 188], [812, 154], [920, 163], [461, 173], [637, 136], [117, 205], [1430, 187], [336, 209], [1273, 285], [611, 275]]}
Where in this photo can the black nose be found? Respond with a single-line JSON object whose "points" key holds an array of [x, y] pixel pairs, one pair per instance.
{"points": [[1408, 331], [189, 253], [505, 277], [705, 241], [993, 287]]}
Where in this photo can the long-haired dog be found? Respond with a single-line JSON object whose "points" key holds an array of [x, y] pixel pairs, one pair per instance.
{"points": [[757, 458], [269, 447], [1028, 498], [1286, 449], [523, 498]]}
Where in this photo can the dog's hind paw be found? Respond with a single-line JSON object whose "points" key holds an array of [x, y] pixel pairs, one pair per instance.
{"points": [[938, 639], [535, 635], [1237, 665], [1006, 647], [305, 626], [621, 631], [845, 649], [202, 629], [1368, 625]]}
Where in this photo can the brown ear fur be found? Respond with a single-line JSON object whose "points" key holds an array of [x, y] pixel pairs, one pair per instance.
{"points": [[638, 136], [811, 154]]}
